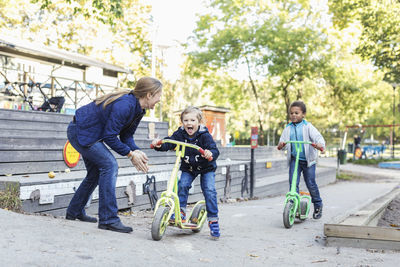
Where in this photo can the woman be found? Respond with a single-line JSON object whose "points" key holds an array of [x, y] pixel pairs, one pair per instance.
{"points": [[98, 124]]}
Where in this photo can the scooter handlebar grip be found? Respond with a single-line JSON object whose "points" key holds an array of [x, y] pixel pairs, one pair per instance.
{"points": [[158, 144], [279, 148], [319, 148], [202, 152]]}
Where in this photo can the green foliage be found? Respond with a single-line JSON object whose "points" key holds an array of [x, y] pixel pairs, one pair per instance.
{"points": [[281, 46], [106, 11], [68, 25], [344, 11], [347, 176], [258, 57], [254, 57], [9, 198], [379, 40], [274, 43]]}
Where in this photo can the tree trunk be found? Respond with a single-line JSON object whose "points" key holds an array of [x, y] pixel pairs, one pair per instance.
{"points": [[286, 96], [259, 108]]}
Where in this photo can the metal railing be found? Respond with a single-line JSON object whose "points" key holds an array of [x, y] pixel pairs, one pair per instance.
{"points": [[26, 92]]}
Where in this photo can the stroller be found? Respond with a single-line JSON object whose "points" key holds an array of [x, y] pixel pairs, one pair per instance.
{"points": [[53, 104]]}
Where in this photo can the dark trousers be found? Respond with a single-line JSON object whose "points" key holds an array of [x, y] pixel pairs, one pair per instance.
{"points": [[309, 178]]}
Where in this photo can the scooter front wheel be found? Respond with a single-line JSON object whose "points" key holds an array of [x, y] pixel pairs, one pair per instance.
{"points": [[160, 223], [289, 214]]}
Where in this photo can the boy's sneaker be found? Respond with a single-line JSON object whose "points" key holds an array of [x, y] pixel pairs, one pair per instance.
{"points": [[214, 229], [183, 217], [317, 213]]}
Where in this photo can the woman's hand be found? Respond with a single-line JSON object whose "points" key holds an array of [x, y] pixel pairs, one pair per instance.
{"points": [[207, 154], [139, 159], [156, 143]]}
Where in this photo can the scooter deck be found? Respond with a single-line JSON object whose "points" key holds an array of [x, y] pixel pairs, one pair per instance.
{"points": [[185, 225]]}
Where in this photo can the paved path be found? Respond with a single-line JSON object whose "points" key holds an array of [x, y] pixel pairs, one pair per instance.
{"points": [[366, 171], [252, 235]]}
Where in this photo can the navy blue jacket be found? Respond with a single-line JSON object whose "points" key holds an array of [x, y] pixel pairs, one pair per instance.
{"points": [[193, 161], [96, 124]]}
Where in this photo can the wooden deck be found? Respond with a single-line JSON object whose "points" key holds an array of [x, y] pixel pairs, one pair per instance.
{"points": [[359, 229]]}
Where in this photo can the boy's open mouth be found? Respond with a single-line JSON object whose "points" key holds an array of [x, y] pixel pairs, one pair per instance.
{"points": [[190, 129]]}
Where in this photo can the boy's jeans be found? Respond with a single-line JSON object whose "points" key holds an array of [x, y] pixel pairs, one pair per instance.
{"points": [[102, 170], [309, 178], [207, 182]]}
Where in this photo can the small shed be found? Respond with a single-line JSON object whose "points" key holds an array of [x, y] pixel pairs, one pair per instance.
{"points": [[216, 122]]}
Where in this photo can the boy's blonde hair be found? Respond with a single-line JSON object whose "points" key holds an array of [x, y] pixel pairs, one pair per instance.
{"points": [[192, 109], [143, 86]]}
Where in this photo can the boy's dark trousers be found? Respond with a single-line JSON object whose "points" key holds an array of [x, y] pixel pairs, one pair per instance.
{"points": [[309, 178]]}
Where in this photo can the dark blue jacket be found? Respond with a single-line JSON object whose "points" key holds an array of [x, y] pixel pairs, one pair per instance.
{"points": [[193, 161], [96, 124]]}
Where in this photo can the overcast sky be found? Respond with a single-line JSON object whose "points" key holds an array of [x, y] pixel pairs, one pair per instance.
{"points": [[175, 19]]}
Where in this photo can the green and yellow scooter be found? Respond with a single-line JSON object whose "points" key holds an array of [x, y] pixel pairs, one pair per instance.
{"points": [[169, 201]]}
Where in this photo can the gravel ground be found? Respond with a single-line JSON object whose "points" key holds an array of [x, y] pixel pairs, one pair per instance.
{"points": [[252, 234], [391, 215]]}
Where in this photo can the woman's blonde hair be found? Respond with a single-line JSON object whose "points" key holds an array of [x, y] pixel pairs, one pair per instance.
{"points": [[143, 86], [191, 109]]}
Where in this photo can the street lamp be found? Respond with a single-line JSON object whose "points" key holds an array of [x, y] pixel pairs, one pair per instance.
{"points": [[394, 85]]}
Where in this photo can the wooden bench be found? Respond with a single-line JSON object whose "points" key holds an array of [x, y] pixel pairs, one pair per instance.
{"points": [[33, 142], [31, 145]]}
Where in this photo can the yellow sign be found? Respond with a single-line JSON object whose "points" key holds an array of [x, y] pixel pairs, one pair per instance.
{"points": [[268, 165], [71, 156], [358, 153]]}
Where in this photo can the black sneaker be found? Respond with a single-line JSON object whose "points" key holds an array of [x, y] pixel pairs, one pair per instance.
{"points": [[83, 218], [117, 227], [317, 213]]}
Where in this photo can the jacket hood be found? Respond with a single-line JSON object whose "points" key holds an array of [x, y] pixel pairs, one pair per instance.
{"points": [[202, 129]]}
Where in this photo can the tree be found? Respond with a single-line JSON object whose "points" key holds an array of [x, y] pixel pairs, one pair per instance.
{"points": [[126, 42], [275, 42], [380, 38], [106, 11]]}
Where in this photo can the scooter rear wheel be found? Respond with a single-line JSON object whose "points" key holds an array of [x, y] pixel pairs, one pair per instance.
{"points": [[160, 223], [303, 208], [198, 213], [289, 214]]}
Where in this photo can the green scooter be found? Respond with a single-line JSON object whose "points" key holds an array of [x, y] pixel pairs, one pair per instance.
{"points": [[296, 205]]}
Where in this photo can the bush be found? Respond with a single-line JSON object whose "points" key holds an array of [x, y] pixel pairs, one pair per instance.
{"points": [[370, 161], [9, 198], [347, 176]]}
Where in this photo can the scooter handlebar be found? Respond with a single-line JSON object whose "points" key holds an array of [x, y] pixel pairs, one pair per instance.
{"points": [[280, 147], [158, 144], [202, 152], [319, 148], [312, 144]]}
